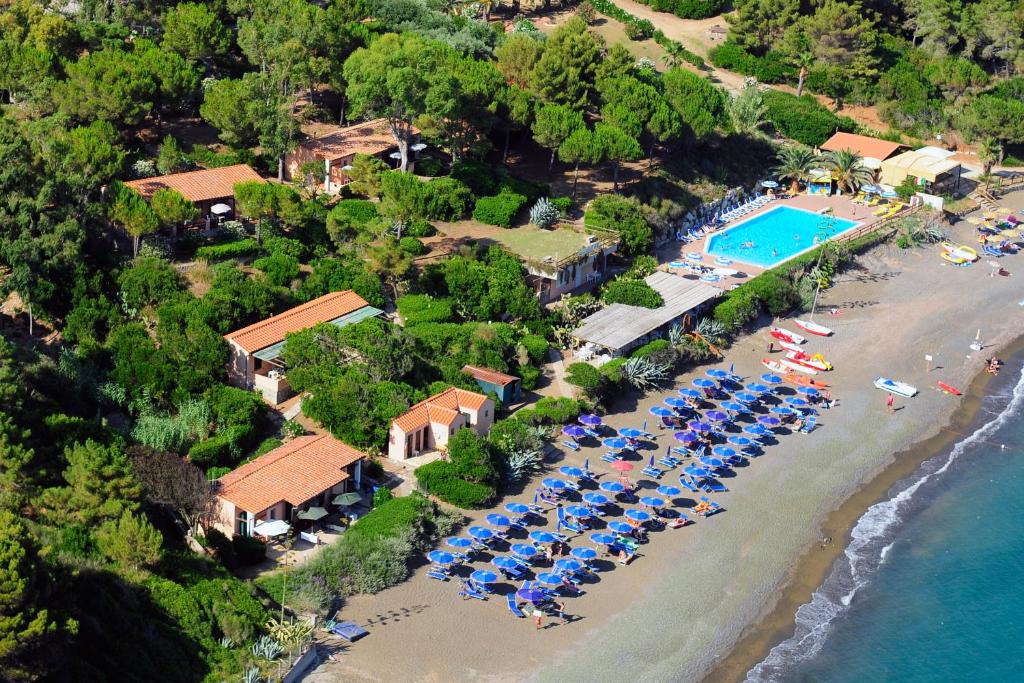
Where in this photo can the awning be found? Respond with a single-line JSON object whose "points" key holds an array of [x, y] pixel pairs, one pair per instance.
{"points": [[274, 350], [273, 527], [917, 164], [312, 514]]}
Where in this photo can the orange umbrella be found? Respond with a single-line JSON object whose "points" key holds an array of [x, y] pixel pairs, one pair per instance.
{"points": [[622, 466]]}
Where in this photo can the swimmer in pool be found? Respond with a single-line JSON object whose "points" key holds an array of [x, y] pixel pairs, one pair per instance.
{"points": [[796, 238], [775, 252], [816, 239]]}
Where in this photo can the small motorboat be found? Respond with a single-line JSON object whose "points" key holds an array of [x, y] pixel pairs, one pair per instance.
{"points": [[793, 365], [786, 336], [813, 328], [960, 251], [801, 381], [816, 361], [894, 387]]}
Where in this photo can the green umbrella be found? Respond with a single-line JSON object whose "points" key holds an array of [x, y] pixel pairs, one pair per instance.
{"points": [[313, 514], [347, 498]]}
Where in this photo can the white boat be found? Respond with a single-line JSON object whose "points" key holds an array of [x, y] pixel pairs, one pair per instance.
{"points": [[894, 387], [813, 328], [785, 335], [808, 361], [790, 347]]}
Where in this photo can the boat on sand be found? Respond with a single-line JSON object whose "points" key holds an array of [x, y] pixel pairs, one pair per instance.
{"points": [[813, 328], [895, 387], [786, 336], [816, 361]]}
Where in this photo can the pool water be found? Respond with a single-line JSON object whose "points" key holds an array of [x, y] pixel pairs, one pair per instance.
{"points": [[776, 235]]}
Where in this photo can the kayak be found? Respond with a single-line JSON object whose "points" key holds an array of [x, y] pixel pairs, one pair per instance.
{"points": [[792, 365], [949, 389], [774, 366], [789, 347], [802, 381], [815, 361], [813, 328], [786, 335], [894, 387], [960, 251]]}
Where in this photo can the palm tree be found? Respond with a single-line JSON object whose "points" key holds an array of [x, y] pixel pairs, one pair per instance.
{"points": [[989, 152], [673, 54], [795, 162], [849, 169], [803, 61], [747, 111]]}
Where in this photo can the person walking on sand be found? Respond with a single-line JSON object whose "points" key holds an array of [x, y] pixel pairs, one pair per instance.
{"points": [[888, 404], [560, 611], [538, 615]]}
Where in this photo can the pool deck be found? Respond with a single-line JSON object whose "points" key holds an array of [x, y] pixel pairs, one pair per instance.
{"points": [[841, 207]]}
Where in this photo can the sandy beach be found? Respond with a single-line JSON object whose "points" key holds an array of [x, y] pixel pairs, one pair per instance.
{"points": [[694, 592]]}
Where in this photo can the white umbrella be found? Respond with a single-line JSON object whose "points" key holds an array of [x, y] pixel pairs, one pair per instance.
{"points": [[220, 209], [395, 155], [418, 147], [769, 183], [273, 527]]}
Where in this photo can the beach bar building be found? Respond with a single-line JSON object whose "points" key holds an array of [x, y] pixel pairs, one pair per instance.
{"points": [[934, 170], [212, 190], [508, 388], [337, 148], [305, 472], [618, 328], [429, 424], [256, 350], [872, 151]]}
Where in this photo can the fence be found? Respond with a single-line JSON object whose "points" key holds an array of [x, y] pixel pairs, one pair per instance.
{"points": [[877, 226]]}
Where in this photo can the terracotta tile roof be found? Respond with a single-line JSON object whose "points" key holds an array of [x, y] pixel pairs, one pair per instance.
{"points": [[273, 330], [372, 137], [294, 472], [862, 145], [441, 408], [198, 186], [490, 376]]}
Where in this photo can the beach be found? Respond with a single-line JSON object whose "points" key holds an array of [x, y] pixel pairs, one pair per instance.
{"points": [[693, 593]]}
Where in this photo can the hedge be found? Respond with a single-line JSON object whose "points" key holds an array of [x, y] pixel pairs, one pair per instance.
{"points": [[770, 68], [610, 9], [423, 308], [631, 293], [500, 210], [536, 346], [224, 448], [803, 119], [441, 479], [446, 199], [584, 375], [412, 246], [228, 250], [687, 9], [551, 410], [649, 348]]}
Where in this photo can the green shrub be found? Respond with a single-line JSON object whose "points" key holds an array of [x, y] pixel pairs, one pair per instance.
{"points": [[280, 268], [429, 167], [412, 246], [358, 211], [233, 407], [622, 215], [585, 376], [500, 210], [224, 448], [222, 548], [528, 188], [550, 410], [213, 473], [771, 68], [642, 29], [441, 479], [688, 9], [381, 496], [228, 250], [446, 199], [563, 204], [803, 119], [476, 175], [285, 245], [248, 550], [420, 228], [536, 346], [266, 446], [529, 375], [649, 348], [631, 293], [423, 308]]}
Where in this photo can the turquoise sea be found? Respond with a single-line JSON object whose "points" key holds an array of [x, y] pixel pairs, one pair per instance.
{"points": [[931, 587]]}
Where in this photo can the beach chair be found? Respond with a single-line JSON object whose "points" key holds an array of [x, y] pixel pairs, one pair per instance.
{"points": [[680, 451], [511, 573], [809, 426], [437, 574], [668, 462], [513, 606], [714, 486], [591, 433], [571, 445], [881, 211], [469, 591], [348, 630], [686, 484], [677, 522], [652, 471], [573, 486], [611, 457]]}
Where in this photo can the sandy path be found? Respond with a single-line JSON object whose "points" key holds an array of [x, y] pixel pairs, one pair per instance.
{"points": [[680, 607]]}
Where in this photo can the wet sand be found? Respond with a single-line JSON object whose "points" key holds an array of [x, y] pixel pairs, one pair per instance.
{"points": [[679, 609]]}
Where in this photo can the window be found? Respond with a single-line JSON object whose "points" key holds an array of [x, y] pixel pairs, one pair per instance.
{"points": [[487, 413], [452, 431]]}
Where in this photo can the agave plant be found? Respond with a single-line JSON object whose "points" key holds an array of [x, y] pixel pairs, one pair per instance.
{"points": [[643, 373], [252, 675], [289, 633], [267, 648], [226, 643], [711, 329], [521, 464], [676, 335], [544, 214]]}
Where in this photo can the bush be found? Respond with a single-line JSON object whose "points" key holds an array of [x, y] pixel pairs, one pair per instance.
{"points": [[381, 496], [631, 293], [285, 245], [531, 190], [642, 29], [222, 548], [446, 199], [357, 211], [585, 376], [429, 166], [563, 204], [213, 473], [420, 228], [803, 119], [476, 175], [649, 348], [248, 550], [500, 210], [688, 9], [624, 216], [441, 479], [412, 246], [550, 410], [224, 448], [770, 68], [530, 375], [423, 308], [536, 346], [280, 268], [228, 250]]}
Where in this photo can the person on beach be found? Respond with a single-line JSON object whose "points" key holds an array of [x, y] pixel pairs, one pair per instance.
{"points": [[560, 612], [549, 554], [771, 347], [538, 615], [888, 404]]}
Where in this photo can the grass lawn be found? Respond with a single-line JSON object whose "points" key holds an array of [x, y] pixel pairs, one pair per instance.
{"points": [[533, 244]]}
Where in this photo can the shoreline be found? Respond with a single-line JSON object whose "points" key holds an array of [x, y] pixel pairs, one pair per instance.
{"points": [[815, 564]]}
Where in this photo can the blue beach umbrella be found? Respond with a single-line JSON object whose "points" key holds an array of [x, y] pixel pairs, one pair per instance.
{"points": [[555, 484], [685, 437], [590, 420], [675, 402], [716, 416], [484, 576], [740, 441], [496, 519], [783, 410], [713, 463], [505, 562], [695, 471], [630, 433], [574, 431], [549, 579], [769, 378], [541, 536], [440, 557], [480, 533], [459, 542], [669, 491], [698, 426], [769, 421], [577, 511], [531, 595], [595, 498], [602, 538], [689, 393], [734, 406], [724, 452], [615, 443], [757, 430], [652, 501], [638, 515], [756, 388], [745, 397], [583, 553], [703, 383], [612, 486], [619, 527], [717, 373], [660, 411], [524, 550], [569, 471], [796, 402], [569, 564], [517, 508], [807, 391]]}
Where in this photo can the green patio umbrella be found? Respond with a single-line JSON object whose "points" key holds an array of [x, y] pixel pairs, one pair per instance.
{"points": [[350, 498], [312, 514]]}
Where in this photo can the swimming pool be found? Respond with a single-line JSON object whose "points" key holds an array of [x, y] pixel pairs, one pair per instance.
{"points": [[775, 236]]}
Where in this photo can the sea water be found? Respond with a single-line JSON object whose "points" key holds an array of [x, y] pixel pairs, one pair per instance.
{"points": [[931, 587]]}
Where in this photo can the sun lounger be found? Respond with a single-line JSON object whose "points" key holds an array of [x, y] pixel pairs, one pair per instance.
{"points": [[652, 472], [685, 483], [610, 457], [572, 485], [511, 573], [513, 606], [469, 591], [881, 211], [668, 462], [439, 575], [714, 486], [571, 445], [680, 451], [348, 630], [591, 433], [676, 522], [809, 426]]}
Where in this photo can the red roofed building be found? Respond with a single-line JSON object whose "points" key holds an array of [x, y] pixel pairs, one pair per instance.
{"points": [[204, 188], [429, 424], [508, 388], [256, 349], [872, 150], [303, 473]]}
